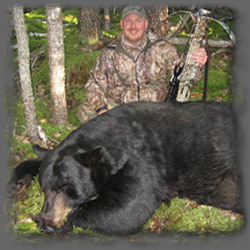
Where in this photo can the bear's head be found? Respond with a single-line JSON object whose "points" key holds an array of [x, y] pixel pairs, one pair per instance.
{"points": [[68, 177]]}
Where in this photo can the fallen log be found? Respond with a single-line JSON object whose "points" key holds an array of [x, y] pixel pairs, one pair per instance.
{"points": [[211, 43]]}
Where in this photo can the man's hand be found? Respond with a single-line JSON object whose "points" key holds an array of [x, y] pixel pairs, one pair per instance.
{"points": [[102, 111], [200, 56]]}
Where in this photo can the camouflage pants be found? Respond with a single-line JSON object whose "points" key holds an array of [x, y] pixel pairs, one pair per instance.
{"points": [[86, 113]]}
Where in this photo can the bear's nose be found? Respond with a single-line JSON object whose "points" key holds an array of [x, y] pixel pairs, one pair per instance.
{"points": [[48, 221]]}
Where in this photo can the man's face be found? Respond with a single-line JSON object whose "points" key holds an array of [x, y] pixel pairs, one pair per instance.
{"points": [[133, 27]]}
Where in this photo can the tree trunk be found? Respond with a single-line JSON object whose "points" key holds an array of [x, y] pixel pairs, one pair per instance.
{"points": [[106, 19], [24, 72], [56, 64], [157, 17], [153, 14], [89, 26]]}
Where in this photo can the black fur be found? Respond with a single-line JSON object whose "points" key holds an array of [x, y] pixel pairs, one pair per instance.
{"points": [[134, 157]]}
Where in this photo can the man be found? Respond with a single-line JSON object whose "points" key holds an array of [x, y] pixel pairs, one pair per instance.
{"points": [[133, 67]]}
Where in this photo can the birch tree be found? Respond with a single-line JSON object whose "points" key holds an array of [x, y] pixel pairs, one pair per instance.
{"points": [[56, 64], [24, 72]]}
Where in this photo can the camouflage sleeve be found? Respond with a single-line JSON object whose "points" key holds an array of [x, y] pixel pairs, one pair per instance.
{"points": [[171, 58], [97, 84]]}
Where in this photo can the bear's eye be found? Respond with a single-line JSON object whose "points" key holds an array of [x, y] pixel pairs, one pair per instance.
{"points": [[60, 189], [72, 193]]}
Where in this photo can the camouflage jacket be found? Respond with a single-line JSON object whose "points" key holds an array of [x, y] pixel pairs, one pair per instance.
{"points": [[126, 73]]}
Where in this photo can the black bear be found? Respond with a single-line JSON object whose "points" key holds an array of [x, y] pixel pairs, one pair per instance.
{"points": [[114, 171]]}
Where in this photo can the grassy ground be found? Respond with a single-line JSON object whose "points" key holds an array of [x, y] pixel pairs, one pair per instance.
{"points": [[182, 215]]}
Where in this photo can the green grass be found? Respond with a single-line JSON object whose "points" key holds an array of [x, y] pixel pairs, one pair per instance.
{"points": [[180, 216], [220, 80], [31, 205], [185, 216]]}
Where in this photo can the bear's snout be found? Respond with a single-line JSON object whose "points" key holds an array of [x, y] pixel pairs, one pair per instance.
{"points": [[55, 210]]}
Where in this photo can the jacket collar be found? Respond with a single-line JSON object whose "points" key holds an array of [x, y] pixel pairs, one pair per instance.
{"points": [[117, 43]]}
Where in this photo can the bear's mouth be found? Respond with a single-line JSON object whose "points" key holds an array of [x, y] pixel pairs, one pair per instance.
{"points": [[45, 226], [54, 212]]}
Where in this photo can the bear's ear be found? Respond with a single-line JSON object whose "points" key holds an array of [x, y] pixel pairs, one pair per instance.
{"points": [[90, 158], [40, 152], [22, 176]]}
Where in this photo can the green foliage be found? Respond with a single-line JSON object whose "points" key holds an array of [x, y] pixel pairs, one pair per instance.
{"points": [[216, 31], [79, 230], [75, 58], [220, 83], [19, 117], [70, 16], [115, 17], [176, 18], [185, 216], [27, 207], [27, 228], [40, 73], [111, 33], [42, 107], [36, 14], [35, 23]]}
